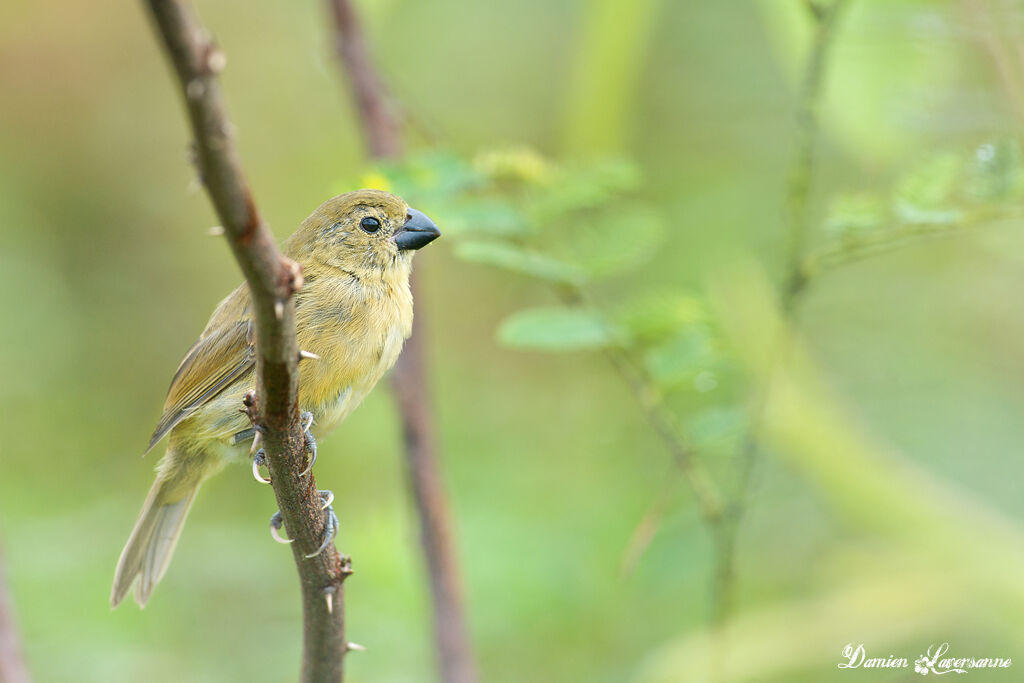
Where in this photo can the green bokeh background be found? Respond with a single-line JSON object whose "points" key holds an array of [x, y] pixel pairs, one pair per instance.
{"points": [[108, 274]]}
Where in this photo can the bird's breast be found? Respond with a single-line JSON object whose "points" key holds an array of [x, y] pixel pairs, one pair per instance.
{"points": [[358, 336]]}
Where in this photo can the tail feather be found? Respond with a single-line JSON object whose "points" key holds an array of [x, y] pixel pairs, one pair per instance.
{"points": [[148, 551]]}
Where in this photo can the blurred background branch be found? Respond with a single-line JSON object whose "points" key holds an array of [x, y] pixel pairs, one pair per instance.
{"points": [[824, 16], [272, 280], [382, 131]]}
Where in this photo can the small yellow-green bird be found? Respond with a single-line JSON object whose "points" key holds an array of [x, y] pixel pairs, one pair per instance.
{"points": [[354, 312]]}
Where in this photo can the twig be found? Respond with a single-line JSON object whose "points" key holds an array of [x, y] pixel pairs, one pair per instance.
{"points": [[644, 532], [798, 194], [824, 16], [846, 251], [12, 660], [647, 394], [651, 400], [382, 132], [272, 280]]}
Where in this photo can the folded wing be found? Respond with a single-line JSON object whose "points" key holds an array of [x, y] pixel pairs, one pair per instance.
{"points": [[224, 353]]}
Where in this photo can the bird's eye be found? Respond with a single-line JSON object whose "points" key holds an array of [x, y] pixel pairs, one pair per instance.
{"points": [[370, 224]]}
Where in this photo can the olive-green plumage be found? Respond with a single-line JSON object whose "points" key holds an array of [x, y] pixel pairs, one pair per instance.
{"points": [[354, 312]]}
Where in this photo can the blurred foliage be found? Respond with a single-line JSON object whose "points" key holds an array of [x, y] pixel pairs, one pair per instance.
{"points": [[945, 192], [573, 227], [521, 213]]}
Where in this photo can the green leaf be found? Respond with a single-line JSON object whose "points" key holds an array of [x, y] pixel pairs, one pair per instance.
{"points": [[850, 214], [911, 213], [609, 242], [653, 317], [930, 184], [483, 217], [521, 165], [584, 188], [683, 360], [995, 172], [516, 259], [558, 329], [436, 176], [717, 425], [925, 194]]}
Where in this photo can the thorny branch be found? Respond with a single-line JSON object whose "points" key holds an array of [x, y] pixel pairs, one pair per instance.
{"points": [[272, 280], [381, 128]]}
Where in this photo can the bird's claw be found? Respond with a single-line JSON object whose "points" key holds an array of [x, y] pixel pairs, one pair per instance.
{"points": [[258, 461], [276, 523], [306, 419], [330, 526]]}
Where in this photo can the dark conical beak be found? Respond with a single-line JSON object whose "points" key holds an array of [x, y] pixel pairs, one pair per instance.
{"points": [[418, 231]]}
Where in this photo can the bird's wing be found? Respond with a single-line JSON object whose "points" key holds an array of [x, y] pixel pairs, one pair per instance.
{"points": [[223, 353]]}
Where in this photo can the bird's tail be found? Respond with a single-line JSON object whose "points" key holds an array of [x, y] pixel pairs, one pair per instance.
{"points": [[149, 548]]}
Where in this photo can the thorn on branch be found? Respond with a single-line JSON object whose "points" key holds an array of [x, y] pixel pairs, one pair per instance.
{"points": [[292, 278], [329, 597], [303, 354], [216, 60], [357, 646], [215, 231], [345, 567]]}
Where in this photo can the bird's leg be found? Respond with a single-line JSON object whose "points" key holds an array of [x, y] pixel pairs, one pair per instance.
{"points": [[331, 524], [276, 522], [259, 457], [306, 419]]}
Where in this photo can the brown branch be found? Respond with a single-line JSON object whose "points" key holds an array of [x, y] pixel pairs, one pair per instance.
{"points": [[12, 660], [381, 129], [380, 124], [272, 280]]}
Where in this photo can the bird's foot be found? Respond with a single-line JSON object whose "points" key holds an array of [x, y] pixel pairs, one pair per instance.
{"points": [[260, 457], [276, 523], [306, 420], [259, 460], [331, 523]]}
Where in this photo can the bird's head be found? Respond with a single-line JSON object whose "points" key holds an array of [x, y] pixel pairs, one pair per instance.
{"points": [[365, 230]]}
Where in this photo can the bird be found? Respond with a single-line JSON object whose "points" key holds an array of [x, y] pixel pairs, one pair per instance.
{"points": [[352, 315]]}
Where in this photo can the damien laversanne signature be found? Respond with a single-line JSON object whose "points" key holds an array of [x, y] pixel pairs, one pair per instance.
{"points": [[932, 661]]}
